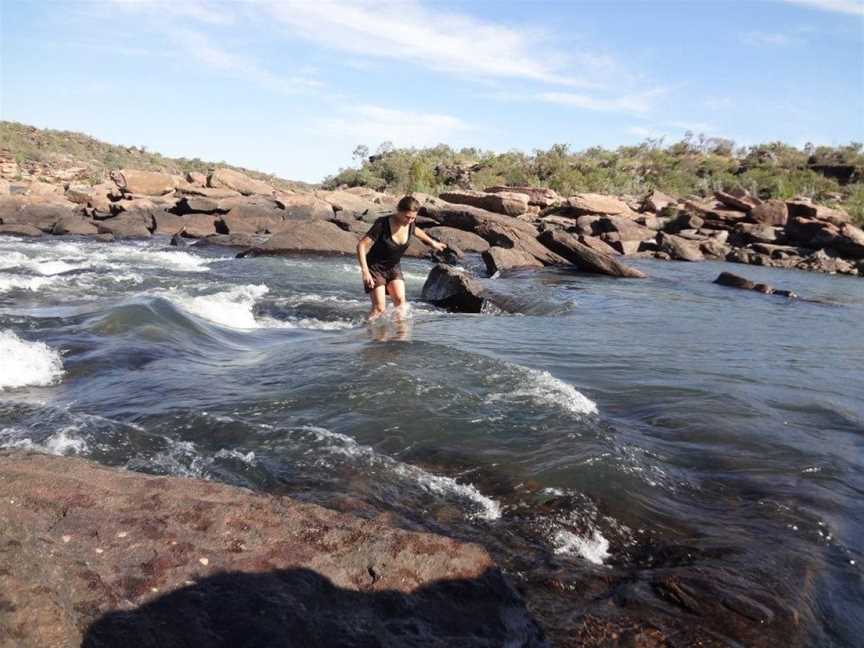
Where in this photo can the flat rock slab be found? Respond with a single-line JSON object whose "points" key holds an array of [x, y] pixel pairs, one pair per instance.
{"points": [[94, 556]]}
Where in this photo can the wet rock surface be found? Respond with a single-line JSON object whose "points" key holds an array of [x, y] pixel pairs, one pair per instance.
{"points": [[96, 557]]}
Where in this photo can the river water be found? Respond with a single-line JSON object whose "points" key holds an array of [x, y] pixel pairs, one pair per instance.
{"points": [[666, 452]]}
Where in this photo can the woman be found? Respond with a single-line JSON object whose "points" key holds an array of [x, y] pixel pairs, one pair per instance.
{"points": [[381, 249]]}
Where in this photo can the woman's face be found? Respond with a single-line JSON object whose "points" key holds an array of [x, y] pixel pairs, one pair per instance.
{"points": [[406, 217]]}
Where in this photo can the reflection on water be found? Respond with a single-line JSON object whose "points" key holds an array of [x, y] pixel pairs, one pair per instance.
{"points": [[664, 450]]}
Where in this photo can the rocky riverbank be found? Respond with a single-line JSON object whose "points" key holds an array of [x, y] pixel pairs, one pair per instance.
{"points": [[510, 226], [99, 557]]}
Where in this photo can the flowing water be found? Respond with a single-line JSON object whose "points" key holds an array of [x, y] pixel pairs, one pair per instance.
{"points": [[613, 437]]}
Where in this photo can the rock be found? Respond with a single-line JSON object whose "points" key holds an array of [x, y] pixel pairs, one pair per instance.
{"points": [[20, 229], [594, 204], [651, 222], [599, 245], [196, 179], [223, 178], [770, 212], [95, 557], [208, 192], [805, 209], [304, 207], [373, 204], [74, 225], [349, 223], [655, 202], [714, 249], [149, 183], [743, 203], [626, 228], [39, 188], [15, 210], [196, 205], [753, 233], [508, 203], [553, 221], [537, 196], [679, 248], [849, 242], [810, 232], [308, 237], [684, 221], [190, 225], [98, 196], [583, 257], [626, 247], [138, 224], [498, 259], [734, 281], [465, 241], [453, 290], [821, 261], [250, 220], [229, 240], [692, 235]]}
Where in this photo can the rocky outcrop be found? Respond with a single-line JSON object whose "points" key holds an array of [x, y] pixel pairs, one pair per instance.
{"points": [[307, 237], [95, 557], [498, 259], [656, 201], [537, 196], [590, 204], [304, 206], [453, 289], [585, 258], [128, 225], [229, 179], [148, 183], [770, 212], [508, 203], [679, 248], [465, 241]]}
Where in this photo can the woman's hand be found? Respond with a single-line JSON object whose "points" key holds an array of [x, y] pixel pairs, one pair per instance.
{"points": [[368, 281], [438, 246]]}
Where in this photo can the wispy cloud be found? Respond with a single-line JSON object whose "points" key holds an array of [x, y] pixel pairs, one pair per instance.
{"points": [[201, 10], [372, 124], [440, 40], [770, 39], [642, 102], [854, 7]]}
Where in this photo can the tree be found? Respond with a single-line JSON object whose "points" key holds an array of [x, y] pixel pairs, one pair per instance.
{"points": [[361, 153]]}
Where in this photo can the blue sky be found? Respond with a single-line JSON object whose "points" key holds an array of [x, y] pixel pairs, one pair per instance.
{"points": [[292, 87]]}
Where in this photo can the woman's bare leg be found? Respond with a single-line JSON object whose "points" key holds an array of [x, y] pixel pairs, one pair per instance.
{"points": [[379, 302], [396, 289]]}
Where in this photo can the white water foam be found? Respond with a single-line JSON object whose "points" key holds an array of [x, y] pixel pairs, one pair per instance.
{"points": [[62, 442], [27, 363], [247, 457], [438, 485], [545, 389], [9, 282], [594, 549], [231, 308]]}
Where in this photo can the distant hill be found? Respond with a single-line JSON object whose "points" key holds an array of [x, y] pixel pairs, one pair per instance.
{"points": [[88, 159]]}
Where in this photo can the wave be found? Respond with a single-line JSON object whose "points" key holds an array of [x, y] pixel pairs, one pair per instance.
{"points": [[544, 389], [594, 548], [27, 364], [62, 442], [10, 282]]}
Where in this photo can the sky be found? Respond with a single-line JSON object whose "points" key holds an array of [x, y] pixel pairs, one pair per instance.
{"points": [[293, 87]]}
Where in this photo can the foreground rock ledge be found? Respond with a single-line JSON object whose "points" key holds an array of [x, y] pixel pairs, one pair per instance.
{"points": [[98, 556]]}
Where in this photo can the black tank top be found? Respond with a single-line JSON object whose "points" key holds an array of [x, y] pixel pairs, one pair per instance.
{"points": [[385, 252]]}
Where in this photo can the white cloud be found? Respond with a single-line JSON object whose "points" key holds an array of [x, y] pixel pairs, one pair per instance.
{"points": [[205, 52], [202, 10], [439, 40], [855, 7], [642, 102], [372, 125]]}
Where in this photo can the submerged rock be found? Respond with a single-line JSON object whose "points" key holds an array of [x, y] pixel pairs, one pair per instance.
{"points": [[734, 281], [96, 557]]}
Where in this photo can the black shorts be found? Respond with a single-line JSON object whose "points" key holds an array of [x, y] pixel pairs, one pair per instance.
{"points": [[384, 276]]}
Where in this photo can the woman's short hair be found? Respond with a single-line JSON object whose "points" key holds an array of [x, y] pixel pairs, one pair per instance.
{"points": [[408, 203]]}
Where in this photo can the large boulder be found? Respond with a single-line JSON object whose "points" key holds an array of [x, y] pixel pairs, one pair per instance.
{"points": [[196, 205], [453, 289], [626, 228], [537, 196], [498, 259], [208, 192], [679, 248], [585, 258], [508, 203], [743, 203], [196, 179], [810, 232], [304, 207], [223, 178], [189, 225], [20, 211], [745, 233], [594, 204], [806, 209], [358, 205], [308, 237], [656, 201], [148, 183], [95, 557], [128, 225], [599, 245], [250, 220], [75, 225], [684, 220], [770, 212], [734, 281], [20, 229], [465, 241]]}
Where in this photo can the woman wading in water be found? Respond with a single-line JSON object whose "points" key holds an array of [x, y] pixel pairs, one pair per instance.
{"points": [[380, 251]]}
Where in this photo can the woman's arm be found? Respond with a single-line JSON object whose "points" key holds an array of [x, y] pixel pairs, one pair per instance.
{"points": [[428, 240], [362, 248]]}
